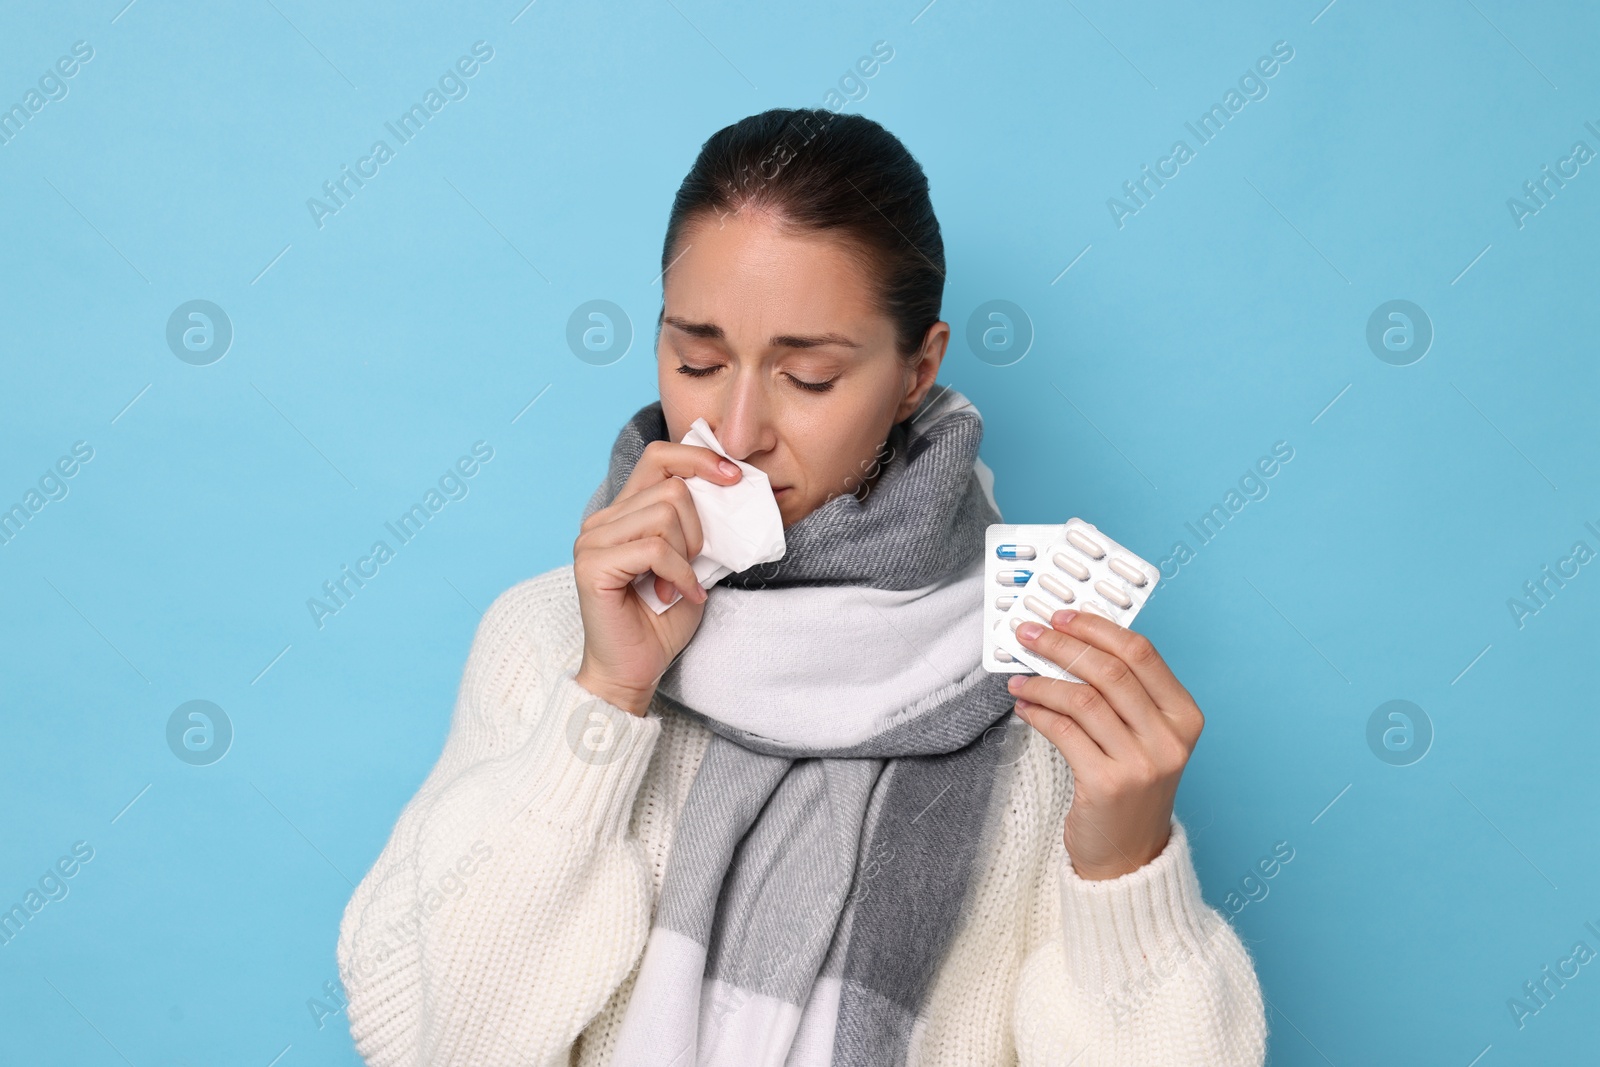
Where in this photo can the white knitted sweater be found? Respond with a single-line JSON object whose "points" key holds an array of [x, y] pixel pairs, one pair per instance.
{"points": [[504, 920]]}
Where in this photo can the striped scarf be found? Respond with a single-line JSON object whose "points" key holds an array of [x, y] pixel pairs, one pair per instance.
{"points": [[825, 851]]}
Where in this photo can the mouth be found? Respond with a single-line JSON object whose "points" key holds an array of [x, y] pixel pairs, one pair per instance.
{"points": [[782, 489]]}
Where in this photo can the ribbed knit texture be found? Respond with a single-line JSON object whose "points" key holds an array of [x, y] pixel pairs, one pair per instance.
{"points": [[528, 956]]}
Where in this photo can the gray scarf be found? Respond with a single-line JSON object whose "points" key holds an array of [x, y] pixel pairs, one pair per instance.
{"points": [[826, 848]]}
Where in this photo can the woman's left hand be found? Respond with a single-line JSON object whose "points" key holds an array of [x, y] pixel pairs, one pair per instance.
{"points": [[1127, 736]]}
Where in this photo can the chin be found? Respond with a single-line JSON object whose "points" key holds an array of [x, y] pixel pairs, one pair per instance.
{"points": [[790, 513]]}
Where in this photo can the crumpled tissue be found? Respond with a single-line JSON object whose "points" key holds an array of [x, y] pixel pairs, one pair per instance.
{"points": [[741, 523]]}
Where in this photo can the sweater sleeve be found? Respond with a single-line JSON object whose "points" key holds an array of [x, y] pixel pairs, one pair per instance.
{"points": [[1144, 973], [509, 901]]}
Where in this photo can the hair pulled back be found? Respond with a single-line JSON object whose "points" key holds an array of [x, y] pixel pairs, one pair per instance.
{"points": [[844, 175]]}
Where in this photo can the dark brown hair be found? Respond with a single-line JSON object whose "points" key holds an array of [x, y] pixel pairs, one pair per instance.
{"points": [[822, 171]]}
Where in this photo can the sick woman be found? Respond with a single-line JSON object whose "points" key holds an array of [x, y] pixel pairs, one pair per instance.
{"points": [[792, 820]]}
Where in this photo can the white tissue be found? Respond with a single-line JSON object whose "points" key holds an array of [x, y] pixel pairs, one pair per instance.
{"points": [[741, 523]]}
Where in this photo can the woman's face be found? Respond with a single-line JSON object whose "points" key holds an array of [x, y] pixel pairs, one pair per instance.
{"points": [[774, 340]]}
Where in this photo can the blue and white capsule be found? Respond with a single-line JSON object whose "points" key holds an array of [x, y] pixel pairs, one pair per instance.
{"points": [[1015, 551], [1013, 577]]}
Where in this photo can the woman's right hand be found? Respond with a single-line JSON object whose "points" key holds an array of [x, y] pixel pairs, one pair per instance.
{"points": [[652, 525]]}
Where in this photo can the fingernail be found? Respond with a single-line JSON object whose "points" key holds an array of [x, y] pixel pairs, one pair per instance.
{"points": [[1063, 617], [730, 469], [1014, 684], [1029, 631]]}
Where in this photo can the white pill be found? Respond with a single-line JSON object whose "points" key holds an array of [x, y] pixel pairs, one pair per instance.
{"points": [[1071, 566], [1113, 594], [1055, 585], [1003, 656], [1084, 543], [1004, 602], [1097, 609], [1038, 607], [1129, 571]]}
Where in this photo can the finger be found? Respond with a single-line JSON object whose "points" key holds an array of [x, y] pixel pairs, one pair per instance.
{"points": [[1134, 649], [1114, 679], [627, 561], [1082, 753], [660, 519], [658, 475], [667, 508], [665, 459], [1088, 707]]}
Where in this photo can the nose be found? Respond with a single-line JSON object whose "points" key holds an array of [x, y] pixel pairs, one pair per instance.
{"points": [[744, 425]]}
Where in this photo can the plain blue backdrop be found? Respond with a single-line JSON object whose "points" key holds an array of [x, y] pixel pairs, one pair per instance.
{"points": [[1164, 356]]}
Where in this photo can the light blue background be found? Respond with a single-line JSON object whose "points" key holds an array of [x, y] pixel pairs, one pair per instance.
{"points": [[1228, 314]]}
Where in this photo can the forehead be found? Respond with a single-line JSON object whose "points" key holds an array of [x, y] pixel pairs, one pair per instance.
{"points": [[747, 272]]}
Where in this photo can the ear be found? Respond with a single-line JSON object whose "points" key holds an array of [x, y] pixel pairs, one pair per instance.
{"points": [[919, 379]]}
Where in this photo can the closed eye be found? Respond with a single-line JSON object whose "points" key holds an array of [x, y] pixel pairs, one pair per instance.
{"points": [[705, 372], [815, 387]]}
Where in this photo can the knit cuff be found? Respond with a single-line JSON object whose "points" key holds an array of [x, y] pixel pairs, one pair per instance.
{"points": [[586, 758], [1127, 935]]}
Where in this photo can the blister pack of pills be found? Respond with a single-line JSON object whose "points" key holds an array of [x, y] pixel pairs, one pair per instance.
{"points": [[1033, 571]]}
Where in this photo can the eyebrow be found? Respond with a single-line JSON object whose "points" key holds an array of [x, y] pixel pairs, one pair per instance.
{"points": [[714, 332]]}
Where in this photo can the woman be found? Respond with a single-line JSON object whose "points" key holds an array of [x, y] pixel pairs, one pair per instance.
{"points": [[794, 821]]}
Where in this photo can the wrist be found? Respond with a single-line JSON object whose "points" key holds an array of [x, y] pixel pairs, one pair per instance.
{"points": [[1101, 874], [633, 701], [1123, 863]]}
